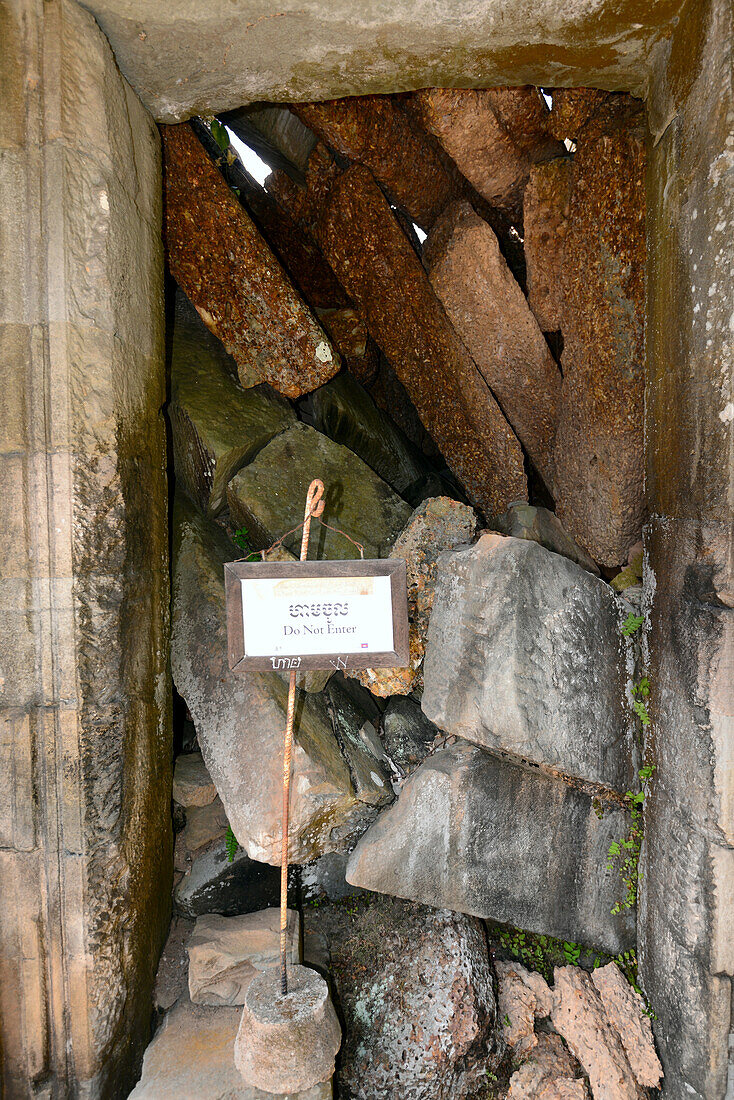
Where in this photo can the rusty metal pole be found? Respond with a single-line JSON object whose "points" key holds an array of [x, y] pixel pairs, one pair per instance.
{"points": [[314, 507]]}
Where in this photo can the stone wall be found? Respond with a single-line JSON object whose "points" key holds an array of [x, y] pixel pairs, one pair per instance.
{"points": [[685, 936], [84, 693]]}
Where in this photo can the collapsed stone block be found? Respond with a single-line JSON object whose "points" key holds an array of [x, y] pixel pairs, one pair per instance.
{"points": [[524, 655], [529, 521], [240, 719], [625, 1010], [477, 834], [225, 953], [545, 224], [374, 260], [374, 131], [232, 277], [216, 425], [491, 315], [269, 495], [212, 883], [192, 784]]}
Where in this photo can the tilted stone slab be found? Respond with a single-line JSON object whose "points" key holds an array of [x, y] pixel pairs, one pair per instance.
{"points": [[491, 315], [475, 833], [545, 224], [240, 719], [374, 131], [378, 266], [269, 496], [225, 953], [233, 278], [216, 425], [524, 654]]}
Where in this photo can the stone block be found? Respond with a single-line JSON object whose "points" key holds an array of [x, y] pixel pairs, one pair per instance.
{"points": [[545, 223], [227, 270], [217, 426], [547, 1073], [215, 884], [529, 521], [240, 720], [269, 496], [225, 953], [524, 655], [477, 834], [625, 1011], [375, 132], [491, 315], [205, 824], [368, 250], [192, 784]]}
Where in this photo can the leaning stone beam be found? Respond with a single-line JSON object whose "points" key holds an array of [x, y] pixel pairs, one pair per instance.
{"points": [[85, 745], [491, 315], [375, 132], [374, 260], [227, 270], [480, 835]]}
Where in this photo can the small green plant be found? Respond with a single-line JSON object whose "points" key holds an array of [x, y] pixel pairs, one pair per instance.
{"points": [[231, 844], [632, 624], [624, 854], [572, 951], [241, 538], [640, 692]]}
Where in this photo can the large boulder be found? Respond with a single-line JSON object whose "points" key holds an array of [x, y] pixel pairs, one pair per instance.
{"points": [[524, 655], [214, 883], [269, 497], [377, 264], [228, 271], [416, 990], [216, 425], [344, 410], [491, 315], [240, 719], [475, 833]]}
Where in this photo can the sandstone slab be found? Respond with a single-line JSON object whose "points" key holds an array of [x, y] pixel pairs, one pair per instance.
{"points": [[578, 1015], [415, 986], [232, 277], [240, 719], [213, 883], [379, 268], [480, 835], [375, 132], [625, 1010], [205, 824], [225, 953], [192, 1056], [598, 449], [545, 224], [548, 1072], [524, 655], [491, 315], [268, 496], [217, 426], [192, 784], [529, 521]]}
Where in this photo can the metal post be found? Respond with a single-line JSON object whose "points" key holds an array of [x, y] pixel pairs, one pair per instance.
{"points": [[314, 507]]}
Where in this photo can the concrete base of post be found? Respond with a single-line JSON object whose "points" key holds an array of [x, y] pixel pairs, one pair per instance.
{"points": [[287, 1043]]}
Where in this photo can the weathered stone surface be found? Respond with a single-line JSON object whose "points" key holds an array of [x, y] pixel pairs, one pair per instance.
{"points": [[578, 1015], [572, 109], [407, 734], [598, 450], [85, 747], [523, 113], [240, 719], [528, 521], [625, 1010], [355, 716], [232, 277], [516, 1009], [225, 953], [171, 981], [192, 1055], [491, 315], [524, 654], [416, 990], [214, 884], [371, 255], [205, 824], [481, 835], [287, 1042], [192, 784], [545, 224], [343, 410], [548, 1072], [217, 426], [269, 496]]}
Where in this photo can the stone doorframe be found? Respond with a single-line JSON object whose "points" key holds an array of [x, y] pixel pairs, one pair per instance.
{"points": [[84, 691]]}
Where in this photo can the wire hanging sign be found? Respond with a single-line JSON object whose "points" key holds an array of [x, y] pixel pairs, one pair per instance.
{"points": [[299, 616]]}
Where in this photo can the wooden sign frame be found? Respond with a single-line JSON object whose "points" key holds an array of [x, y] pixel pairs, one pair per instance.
{"points": [[394, 568]]}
